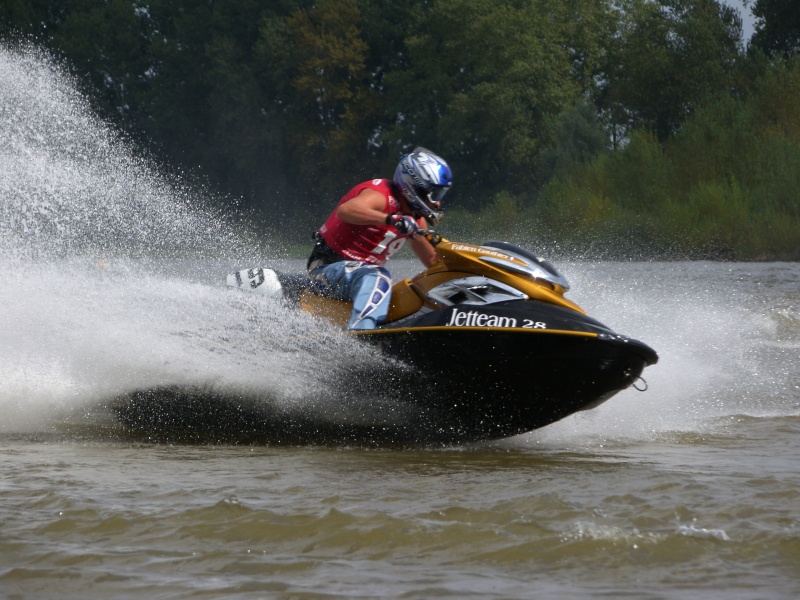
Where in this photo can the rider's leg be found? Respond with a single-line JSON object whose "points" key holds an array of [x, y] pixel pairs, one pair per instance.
{"points": [[371, 293], [368, 286]]}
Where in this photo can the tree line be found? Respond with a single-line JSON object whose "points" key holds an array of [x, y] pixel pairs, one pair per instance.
{"points": [[579, 119]]}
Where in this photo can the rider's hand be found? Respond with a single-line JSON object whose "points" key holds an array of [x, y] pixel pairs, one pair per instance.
{"points": [[403, 223]]}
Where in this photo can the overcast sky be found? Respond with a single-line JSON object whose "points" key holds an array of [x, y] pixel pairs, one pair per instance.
{"points": [[747, 17]]}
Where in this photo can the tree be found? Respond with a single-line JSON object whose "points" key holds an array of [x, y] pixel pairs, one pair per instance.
{"points": [[777, 28], [31, 17], [668, 56], [483, 82], [334, 104], [578, 137], [109, 42]]}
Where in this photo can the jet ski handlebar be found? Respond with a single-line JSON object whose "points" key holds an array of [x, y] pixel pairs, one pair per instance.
{"points": [[430, 235]]}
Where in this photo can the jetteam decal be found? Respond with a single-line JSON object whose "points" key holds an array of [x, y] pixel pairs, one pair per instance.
{"points": [[474, 318]]}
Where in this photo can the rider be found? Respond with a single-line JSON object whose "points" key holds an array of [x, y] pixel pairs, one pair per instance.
{"points": [[371, 222]]}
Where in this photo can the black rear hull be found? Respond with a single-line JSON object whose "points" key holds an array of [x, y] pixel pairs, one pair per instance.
{"points": [[476, 383], [515, 383], [451, 381]]}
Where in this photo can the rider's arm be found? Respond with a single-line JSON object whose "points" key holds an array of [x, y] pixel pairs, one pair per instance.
{"points": [[424, 250], [368, 208]]}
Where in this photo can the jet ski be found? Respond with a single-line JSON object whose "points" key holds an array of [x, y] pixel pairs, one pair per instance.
{"points": [[492, 345]]}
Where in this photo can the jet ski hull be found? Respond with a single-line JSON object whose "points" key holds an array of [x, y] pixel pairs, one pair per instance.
{"points": [[444, 386], [483, 344], [483, 382]]}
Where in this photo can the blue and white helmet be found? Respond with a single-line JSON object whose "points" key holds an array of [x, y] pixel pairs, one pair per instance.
{"points": [[423, 179]]}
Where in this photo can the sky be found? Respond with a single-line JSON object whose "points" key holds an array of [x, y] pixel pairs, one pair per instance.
{"points": [[747, 17]]}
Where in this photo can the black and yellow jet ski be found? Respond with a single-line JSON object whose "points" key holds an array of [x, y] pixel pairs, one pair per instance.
{"points": [[495, 348]]}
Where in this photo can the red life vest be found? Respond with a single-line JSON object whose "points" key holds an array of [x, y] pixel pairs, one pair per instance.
{"points": [[364, 243]]}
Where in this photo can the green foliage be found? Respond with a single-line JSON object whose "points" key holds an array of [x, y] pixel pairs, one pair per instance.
{"points": [[483, 81], [668, 56], [640, 174], [501, 217], [577, 137], [110, 41], [287, 104], [777, 29], [335, 104], [725, 186], [31, 17]]}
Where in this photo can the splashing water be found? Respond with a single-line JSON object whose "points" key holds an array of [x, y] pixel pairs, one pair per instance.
{"points": [[728, 336], [71, 185], [102, 289]]}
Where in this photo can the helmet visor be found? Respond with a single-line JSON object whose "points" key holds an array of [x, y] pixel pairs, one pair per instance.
{"points": [[437, 193], [433, 196]]}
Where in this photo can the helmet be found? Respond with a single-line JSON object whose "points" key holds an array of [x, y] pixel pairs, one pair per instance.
{"points": [[423, 179]]}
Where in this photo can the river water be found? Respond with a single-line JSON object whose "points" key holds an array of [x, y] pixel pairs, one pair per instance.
{"points": [[688, 490]]}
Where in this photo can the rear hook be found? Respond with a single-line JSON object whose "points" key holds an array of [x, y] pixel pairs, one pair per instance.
{"points": [[643, 387]]}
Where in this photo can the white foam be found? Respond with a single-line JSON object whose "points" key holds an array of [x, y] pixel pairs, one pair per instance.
{"points": [[94, 301]]}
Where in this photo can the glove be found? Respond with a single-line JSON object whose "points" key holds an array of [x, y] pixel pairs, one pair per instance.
{"points": [[404, 224]]}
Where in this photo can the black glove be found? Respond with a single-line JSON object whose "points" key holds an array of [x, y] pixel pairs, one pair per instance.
{"points": [[403, 223]]}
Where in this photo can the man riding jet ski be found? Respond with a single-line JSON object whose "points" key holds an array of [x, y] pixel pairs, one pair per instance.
{"points": [[495, 347], [369, 224]]}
